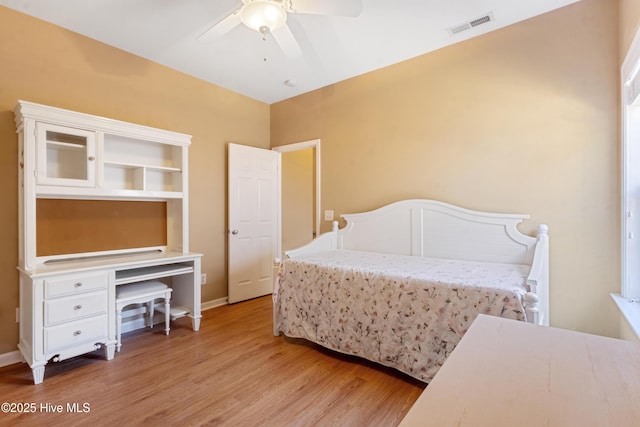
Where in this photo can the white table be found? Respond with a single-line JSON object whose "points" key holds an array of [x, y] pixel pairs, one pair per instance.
{"points": [[509, 373]]}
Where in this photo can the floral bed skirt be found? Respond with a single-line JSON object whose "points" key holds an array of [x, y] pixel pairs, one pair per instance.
{"points": [[405, 312]]}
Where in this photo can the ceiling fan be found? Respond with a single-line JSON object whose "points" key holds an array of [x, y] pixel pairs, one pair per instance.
{"points": [[270, 17]]}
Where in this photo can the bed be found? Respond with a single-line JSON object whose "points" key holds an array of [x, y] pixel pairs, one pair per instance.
{"points": [[400, 285]]}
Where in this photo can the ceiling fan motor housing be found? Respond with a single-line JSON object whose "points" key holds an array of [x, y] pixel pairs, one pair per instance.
{"points": [[263, 15]]}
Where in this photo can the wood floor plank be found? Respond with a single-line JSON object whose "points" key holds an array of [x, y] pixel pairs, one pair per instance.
{"points": [[233, 372]]}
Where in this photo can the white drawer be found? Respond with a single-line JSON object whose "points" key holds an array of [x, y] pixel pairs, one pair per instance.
{"points": [[74, 284], [62, 337], [74, 307]]}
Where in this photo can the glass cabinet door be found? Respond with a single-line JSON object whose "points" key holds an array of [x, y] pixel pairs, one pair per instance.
{"points": [[65, 156]]}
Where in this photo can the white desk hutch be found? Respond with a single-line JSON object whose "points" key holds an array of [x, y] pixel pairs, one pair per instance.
{"points": [[67, 297]]}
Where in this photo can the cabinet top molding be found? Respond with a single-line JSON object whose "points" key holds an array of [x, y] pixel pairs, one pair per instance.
{"points": [[29, 110]]}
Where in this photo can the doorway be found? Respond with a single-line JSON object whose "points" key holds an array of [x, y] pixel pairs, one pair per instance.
{"points": [[300, 193]]}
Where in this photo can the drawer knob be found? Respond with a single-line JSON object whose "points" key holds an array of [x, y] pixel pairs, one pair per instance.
{"points": [[77, 307], [78, 284], [76, 333]]}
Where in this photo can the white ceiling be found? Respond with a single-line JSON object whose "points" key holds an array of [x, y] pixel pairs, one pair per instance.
{"points": [[334, 48]]}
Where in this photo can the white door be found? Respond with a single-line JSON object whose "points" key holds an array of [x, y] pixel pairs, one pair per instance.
{"points": [[254, 225]]}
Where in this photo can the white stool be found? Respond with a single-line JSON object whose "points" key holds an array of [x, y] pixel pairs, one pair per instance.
{"points": [[142, 293]]}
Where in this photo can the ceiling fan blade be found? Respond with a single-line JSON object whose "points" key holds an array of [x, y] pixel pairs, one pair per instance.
{"points": [[221, 28], [349, 8], [287, 42]]}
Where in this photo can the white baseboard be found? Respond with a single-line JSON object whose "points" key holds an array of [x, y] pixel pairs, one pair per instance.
{"points": [[134, 321], [213, 304], [10, 358]]}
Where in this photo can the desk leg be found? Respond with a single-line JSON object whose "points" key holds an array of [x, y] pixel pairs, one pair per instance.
{"points": [[186, 294], [109, 351], [38, 374], [195, 323]]}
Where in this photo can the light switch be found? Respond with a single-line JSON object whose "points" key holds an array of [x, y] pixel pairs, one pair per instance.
{"points": [[328, 215]]}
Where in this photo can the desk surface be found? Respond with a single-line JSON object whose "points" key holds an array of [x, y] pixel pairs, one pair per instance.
{"points": [[115, 261], [509, 373]]}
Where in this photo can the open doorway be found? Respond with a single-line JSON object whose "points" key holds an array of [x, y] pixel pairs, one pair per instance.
{"points": [[300, 193]]}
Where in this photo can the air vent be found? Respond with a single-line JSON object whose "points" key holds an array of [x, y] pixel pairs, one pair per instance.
{"points": [[471, 24]]}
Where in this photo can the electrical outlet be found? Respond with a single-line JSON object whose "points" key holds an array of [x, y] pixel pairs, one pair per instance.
{"points": [[203, 279], [328, 215], [17, 314]]}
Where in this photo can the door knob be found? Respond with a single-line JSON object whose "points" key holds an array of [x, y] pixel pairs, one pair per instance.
{"points": [[234, 231]]}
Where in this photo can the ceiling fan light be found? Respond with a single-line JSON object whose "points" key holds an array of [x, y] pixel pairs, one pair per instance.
{"points": [[261, 14]]}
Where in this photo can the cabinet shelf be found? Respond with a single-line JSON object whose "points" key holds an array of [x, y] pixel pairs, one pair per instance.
{"points": [[66, 146], [138, 165], [128, 176]]}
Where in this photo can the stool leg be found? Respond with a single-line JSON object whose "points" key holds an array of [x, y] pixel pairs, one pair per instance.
{"points": [[119, 329], [167, 317], [152, 307]]}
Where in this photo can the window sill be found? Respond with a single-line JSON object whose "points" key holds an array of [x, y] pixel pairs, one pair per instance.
{"points": [[630, 311]]}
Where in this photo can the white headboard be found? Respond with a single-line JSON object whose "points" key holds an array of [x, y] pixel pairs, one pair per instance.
{"points": [[435, 229]]}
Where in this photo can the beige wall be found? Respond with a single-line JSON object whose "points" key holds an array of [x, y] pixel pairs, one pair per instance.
{"points": [[626, 332], [629, 14], [45, 64], [523, 120]]}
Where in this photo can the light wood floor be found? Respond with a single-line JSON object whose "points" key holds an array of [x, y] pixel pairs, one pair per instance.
{"points": [[232, 372]]}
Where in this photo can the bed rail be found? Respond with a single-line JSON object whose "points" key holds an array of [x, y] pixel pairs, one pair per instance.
{"points": [[537, 299]]}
